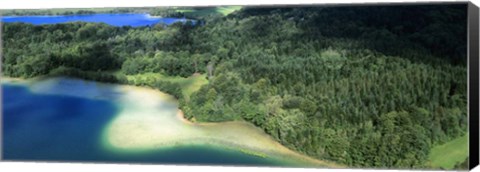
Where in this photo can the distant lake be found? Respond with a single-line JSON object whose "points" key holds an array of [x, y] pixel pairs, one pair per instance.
{"points": [[134, 20], [39, 126]]}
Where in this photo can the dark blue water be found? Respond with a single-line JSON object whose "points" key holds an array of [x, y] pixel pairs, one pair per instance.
{"points": [[133, 20], [41, 127]]}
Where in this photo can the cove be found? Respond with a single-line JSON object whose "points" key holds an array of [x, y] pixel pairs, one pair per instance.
{"points": [[134, 20], [66, 119]]}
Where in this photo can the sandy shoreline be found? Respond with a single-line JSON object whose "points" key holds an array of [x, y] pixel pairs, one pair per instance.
{"points": [[147, 127], [149, 119], [11, 80], [181, 116]]}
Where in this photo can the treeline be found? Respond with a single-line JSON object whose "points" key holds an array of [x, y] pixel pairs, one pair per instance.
{"points": [[166, 12], [357, 85], [44, 12], [90, 47], [84, 11], [88, 75], [155, 11], [88, 51]]}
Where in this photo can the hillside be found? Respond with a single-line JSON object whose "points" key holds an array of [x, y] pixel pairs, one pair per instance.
{"points": [[362, 86]]}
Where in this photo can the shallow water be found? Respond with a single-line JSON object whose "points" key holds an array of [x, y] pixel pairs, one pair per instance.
{"points": [[41, 125], [133, 20]]}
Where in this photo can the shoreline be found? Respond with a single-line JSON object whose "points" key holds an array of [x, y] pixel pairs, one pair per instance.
{"points": [[149, 119], [144, 129], [18, 80], [252, 151], [10, 79], [181, 116]]}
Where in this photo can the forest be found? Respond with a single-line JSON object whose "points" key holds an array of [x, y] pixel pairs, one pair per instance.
{"points": [[366, 86], [177, 12]]}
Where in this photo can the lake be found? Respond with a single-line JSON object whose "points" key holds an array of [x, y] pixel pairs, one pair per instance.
{"points": [[134, 20], [68, 120]]}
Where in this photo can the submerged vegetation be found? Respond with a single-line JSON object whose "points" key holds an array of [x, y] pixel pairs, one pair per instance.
{"points": [[258, 154], [362, 86]]}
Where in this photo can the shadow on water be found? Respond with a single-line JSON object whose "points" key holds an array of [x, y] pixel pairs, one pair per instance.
{"points": [[51, 127]]}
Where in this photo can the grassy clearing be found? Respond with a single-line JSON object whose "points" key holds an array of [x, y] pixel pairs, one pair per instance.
{"points": [[227, 10], [211, 10], [447, 155], [189, 85], [186, 10]]}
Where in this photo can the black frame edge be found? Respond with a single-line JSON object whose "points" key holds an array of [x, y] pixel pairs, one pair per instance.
{"points": [[1, 92], [473, 46]]}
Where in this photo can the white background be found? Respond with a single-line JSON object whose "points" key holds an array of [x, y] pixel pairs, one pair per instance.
{"points": [[91, 167]]}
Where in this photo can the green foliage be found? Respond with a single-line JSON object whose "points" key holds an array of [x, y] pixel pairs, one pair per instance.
{"points": [[450, 155], [463, 165], [361, 86], [88, 75], [173, 89]]}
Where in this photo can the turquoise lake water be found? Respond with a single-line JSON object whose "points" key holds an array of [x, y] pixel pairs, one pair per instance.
{"points": [[133, 20], [58, 127]]}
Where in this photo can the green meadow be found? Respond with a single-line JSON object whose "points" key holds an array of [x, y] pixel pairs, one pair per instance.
{"points": [[209, 10], [188, 85], [447, 155]]}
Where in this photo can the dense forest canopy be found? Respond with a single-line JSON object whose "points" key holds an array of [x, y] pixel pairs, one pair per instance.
{"points": [[366, 86]]}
